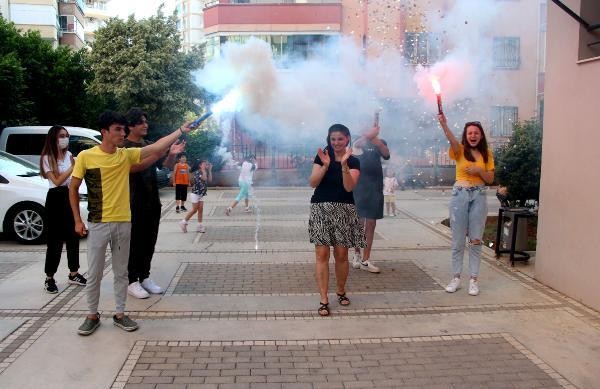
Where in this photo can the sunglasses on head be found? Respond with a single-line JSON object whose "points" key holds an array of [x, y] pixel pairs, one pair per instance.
{"points": [[478, 124]]}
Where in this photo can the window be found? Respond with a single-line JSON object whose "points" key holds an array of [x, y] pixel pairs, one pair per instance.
{"points": [[422, 48], [503, 119], [79, 143], [589, 41], [506, 52], [69, 23], [25, 144]]}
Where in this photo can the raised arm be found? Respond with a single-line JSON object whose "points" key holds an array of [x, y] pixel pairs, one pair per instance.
{"points": [[164, 142], [349, 176], [449, 135], [382, 147]]}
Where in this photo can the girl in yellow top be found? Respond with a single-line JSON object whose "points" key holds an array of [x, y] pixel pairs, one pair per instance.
{"points": [[468, 207]]}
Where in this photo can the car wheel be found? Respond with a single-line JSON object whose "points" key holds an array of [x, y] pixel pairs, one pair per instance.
{"points": [[27, 223]]}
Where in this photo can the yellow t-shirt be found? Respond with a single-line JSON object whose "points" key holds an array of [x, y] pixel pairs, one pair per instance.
{"points": [[107, 179], [462, 163]]}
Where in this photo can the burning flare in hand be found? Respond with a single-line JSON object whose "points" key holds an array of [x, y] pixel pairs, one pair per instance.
{"points": [[435, 84]]}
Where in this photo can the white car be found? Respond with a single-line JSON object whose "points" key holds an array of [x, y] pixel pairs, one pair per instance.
{"points": [[22, 198]]}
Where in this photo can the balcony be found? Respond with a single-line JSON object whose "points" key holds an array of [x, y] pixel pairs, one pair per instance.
{"points": [[273, 17]]}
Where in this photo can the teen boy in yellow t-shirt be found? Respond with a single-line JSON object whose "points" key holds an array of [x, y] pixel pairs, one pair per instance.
{"points": [[105, 169]]}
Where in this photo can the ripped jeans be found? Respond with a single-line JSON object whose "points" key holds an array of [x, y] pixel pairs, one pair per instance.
{"points": [[468, 213]]}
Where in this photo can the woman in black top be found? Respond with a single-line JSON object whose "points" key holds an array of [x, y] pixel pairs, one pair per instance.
{"points": [[333, 218]]}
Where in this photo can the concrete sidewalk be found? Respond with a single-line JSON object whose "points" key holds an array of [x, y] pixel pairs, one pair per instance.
{"points": [[240, 311]]}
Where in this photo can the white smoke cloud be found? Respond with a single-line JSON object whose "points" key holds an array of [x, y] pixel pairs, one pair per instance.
{"points": [[298, 102]]}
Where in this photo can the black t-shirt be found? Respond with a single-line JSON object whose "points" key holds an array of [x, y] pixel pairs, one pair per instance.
{"points": [[331, 189], [143, 188]]}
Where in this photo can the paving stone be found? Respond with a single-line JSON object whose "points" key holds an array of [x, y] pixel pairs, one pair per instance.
{"points": [[207, 278], [8, 268], [422, 364], [266, 233]]}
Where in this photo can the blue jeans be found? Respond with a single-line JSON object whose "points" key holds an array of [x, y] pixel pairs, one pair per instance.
{"points": [[468, 213]]}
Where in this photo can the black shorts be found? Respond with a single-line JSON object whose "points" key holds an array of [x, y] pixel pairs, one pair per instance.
{"points": [[181, 192]]}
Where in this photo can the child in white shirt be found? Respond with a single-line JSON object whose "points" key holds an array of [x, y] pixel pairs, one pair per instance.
{"points": [[390, 184]]}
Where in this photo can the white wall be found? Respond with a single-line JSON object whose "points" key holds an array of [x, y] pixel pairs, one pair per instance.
{"points": [[32, 14], [568, 251]]}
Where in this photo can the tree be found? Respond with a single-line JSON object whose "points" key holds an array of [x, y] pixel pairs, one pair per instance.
{"points": [[40, 85], [204, 144], [518, 164], [139, 63]]}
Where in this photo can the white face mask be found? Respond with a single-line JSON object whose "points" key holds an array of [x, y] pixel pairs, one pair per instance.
{"points": [[63, 143]]}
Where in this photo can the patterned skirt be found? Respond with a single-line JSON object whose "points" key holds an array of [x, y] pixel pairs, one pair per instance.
{"points": [[335, 224]]}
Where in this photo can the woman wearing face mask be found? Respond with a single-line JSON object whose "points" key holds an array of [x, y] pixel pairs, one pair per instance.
{"points": [[56, 165]]}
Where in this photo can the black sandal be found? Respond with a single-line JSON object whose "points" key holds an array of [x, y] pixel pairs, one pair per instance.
{"points": [[343, 300], [323, 308]]}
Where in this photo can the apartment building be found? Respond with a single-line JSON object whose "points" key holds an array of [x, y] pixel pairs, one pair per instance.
{"points": [[190, 22], [71, 20], [40, 15], [95, 14], [60, 22]]}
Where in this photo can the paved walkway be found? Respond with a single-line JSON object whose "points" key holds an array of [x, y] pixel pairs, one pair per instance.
{"points": [[240, 312]]}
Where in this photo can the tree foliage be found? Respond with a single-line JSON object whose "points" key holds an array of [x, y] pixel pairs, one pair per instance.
{"points": [[40, 85], [518, 164], [204, 145], [139, 63]]}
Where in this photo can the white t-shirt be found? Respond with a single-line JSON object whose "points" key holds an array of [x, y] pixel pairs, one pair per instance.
{"points": [[246, 172], [63, 166], [389, 185]]}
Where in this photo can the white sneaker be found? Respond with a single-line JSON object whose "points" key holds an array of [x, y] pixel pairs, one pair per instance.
{"points": [[136, 290], [356, 260], [151, 287], [183, 225], [454, 285], [228, 211], [200, 228], [248, 210], [368, 266], [473, 287]]}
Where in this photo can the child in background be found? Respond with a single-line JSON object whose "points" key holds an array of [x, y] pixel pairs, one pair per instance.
{"points": [[181, 181], [202, 176], [390, 184], [245, 182]]}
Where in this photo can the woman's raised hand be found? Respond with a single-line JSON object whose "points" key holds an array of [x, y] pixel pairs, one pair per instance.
{"points": [[442, 120], [324, 156], [346, 155]]}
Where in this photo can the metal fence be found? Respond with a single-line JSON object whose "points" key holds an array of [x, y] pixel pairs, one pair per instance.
{"points": [[280, 156]]}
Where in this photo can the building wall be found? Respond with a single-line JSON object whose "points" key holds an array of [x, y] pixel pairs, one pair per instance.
{"points": [[567, 246], [519, 19], [96, 14], [4, 9], [38, 15], [191, 22]]}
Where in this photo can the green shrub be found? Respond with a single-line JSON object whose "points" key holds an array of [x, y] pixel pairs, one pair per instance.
{"points": [[518, 163]]}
